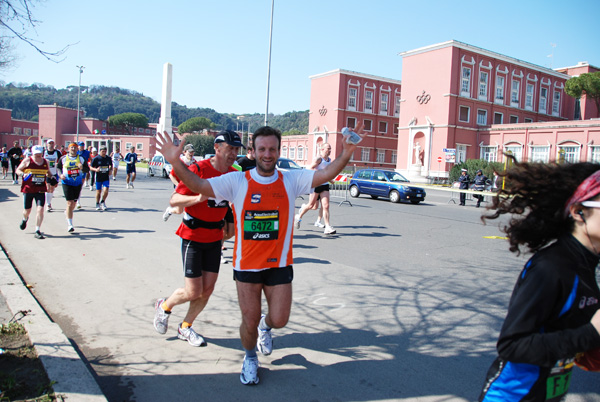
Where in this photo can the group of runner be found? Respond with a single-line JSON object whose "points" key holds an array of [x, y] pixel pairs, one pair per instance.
{"points": [[42, 168]]}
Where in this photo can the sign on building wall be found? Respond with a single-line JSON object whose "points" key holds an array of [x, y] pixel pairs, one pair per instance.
{"points": [[450, 155]]}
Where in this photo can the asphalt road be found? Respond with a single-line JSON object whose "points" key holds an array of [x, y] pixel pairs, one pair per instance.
{"points": [[404, 303]]}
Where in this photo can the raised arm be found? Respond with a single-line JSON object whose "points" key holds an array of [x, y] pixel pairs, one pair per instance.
{"points": [[335, 167], [171, 152]]}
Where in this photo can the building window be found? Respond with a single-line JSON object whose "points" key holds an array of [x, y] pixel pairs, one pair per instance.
{"points": [[351, 122], [543, 97], [147, 131], [556, 103], [461, 153], [571, 153], [368, 101], [300, 152], [284, 152], [595, 154], [498, 118], [528, 120], [27, 131], [395, 156], [488, 153], [482, 117], [466, 82], [292, 153], [365, 154], [529, 97], [463, 113], [139, 146], [540, 154], [380, 156], [516, 151], [17, 130], [514, 119], [35, 131], [383, 108], [397, 106], [352, 98], [128, 145], [514, 93], [383, 127], [483, 84], [104, 124], [368, 125], [499, 89], [396, 127]]}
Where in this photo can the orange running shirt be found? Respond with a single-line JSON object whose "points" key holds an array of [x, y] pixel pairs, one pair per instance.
{"points": [[264, 209]]}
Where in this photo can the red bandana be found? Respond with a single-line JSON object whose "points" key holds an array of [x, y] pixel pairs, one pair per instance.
{"points": [[589, 188]]}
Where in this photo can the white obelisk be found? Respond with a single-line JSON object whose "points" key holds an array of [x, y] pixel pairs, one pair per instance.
{"points": [[165, 122]]}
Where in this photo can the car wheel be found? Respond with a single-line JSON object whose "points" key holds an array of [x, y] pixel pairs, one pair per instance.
{"points": [[415, 201], [164, 174], [354, 192], [150, 172], [374, 197], [394, 196]]}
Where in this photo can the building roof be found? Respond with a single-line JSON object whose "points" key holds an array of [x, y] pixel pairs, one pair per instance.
{"points": [[485, 52], [356, 74]]}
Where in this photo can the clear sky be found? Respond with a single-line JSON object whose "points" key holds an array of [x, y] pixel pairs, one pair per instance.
{"points": [[219, 48]]}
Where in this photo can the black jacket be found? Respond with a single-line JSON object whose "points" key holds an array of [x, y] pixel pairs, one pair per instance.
{"points": [[464, 181], [547, 324]]}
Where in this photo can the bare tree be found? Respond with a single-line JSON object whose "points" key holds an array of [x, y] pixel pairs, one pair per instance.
{"points": [[16, 19]]}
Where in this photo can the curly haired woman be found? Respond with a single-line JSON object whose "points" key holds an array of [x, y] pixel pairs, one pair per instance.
{"points": [[554, 311]]}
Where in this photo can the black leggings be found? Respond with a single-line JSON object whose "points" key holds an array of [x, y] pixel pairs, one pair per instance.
{"points": [[14, 165]]}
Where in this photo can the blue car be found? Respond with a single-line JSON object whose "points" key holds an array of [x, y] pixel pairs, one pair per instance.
{"points": [[385, 183]]}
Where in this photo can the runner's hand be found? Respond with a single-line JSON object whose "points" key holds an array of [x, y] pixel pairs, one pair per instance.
{"points": [[165, 146]]}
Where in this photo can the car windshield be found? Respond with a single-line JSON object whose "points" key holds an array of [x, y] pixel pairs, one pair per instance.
{"points": [[287, 164], [397, 177]]}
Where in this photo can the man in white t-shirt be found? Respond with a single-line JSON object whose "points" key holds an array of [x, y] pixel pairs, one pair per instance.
{"points": [[263, 202]]}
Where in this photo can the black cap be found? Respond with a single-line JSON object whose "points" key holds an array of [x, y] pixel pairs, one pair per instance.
{"points": [[230, 137], [479, 171]]}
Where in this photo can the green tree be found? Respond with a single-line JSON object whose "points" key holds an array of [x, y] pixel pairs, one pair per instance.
{"points": [[472, 165], [588, 84], [203, 144], [128, 121], [195, 124]]}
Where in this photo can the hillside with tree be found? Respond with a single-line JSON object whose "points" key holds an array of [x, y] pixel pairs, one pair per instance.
{"points": [[101, 102]]}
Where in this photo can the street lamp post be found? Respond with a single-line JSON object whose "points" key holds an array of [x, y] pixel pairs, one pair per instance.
{"points": [[78, 97], [269, 65]]}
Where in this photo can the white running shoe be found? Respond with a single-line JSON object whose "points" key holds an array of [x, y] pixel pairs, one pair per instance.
{"points": [[103, 206], [161, 317], [166, 215], [249, 375], [91, 188], [131, 185], [188, 334], [330, 230], [264, 343], [49, 207], [70, 229], [223, 259], [78, 205], [97, 207], [319, 225], [297, 221]]}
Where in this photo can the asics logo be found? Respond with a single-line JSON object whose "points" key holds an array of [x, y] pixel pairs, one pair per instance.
{"points": [[258, 236], [587, 301]]}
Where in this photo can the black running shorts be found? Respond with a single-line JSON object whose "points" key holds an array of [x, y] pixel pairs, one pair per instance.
{"points": [[268, 277], [198, 257]]}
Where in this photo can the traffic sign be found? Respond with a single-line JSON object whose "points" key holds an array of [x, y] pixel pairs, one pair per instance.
{"points": [[439, 159]]}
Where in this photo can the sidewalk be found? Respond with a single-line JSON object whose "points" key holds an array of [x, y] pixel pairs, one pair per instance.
{"points": [[72, 379]]}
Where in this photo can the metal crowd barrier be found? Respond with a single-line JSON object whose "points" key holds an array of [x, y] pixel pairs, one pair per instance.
{"points": [[339, 188]]}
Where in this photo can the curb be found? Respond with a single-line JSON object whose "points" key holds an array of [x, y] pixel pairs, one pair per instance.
{"points": [[72, 379]]}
